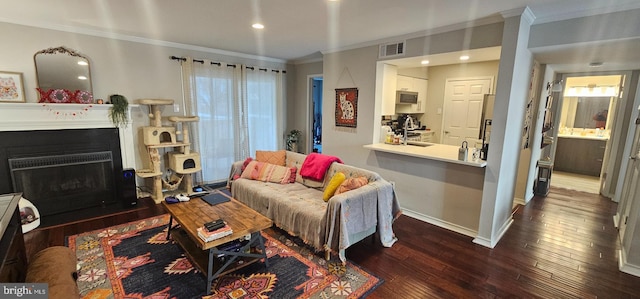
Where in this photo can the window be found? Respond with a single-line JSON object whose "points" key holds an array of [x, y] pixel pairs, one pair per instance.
{"points": [[239, 110]]}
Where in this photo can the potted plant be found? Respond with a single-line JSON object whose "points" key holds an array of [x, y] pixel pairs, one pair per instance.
{"points": [[118, 112], [292, 140]]}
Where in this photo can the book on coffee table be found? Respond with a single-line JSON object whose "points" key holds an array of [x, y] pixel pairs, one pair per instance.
{"points": [[209, 236]]}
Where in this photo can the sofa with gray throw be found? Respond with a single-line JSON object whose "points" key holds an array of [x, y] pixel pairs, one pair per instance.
{"points": [[359, 204]]}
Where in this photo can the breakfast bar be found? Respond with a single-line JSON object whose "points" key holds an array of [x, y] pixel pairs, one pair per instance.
{"points": [[431, 183], [425, 150]]}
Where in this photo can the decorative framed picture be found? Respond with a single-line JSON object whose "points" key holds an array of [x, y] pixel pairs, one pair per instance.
{"points": [[11, 87], [347, 107]]}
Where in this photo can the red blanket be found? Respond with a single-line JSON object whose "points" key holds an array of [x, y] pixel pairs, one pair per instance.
{"points": [[315, 166]]}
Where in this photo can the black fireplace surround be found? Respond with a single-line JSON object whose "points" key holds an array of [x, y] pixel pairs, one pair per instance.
{"points": [[62, 171]]}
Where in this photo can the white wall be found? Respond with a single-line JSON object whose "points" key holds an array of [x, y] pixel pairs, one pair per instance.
{"points": [[442, 193], [506, 131], [445, 194], [135, 70]]}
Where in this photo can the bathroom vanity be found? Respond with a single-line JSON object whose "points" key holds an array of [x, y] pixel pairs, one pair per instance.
{"points": [[580, 154]]}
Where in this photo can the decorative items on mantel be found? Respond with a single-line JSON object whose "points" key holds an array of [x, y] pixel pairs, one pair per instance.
{"points": [[182, 162], [118, 112], [64, 96], [63, 76], [11, 87], [81, 111]]}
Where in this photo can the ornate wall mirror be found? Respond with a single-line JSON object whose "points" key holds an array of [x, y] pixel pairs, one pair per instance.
{"points": [[63, 76]]}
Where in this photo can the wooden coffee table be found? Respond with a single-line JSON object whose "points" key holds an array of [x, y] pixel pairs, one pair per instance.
{"points": [[243, 221]]}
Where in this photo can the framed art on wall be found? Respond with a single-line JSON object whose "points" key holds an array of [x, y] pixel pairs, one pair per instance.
{"points": [[11, 88], [347, 107]]}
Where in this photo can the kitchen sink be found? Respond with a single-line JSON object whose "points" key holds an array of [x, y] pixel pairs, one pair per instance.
{"points": [[419, 143]]}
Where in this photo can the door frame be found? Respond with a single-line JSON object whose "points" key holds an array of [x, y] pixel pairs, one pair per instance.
{"points": [[623, 177], [613, 151], [309, 120]]}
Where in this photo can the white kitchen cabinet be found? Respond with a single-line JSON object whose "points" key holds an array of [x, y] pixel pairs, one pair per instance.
{"points": [[386, 86], [427, 136], [418, 85], [405, 83]]}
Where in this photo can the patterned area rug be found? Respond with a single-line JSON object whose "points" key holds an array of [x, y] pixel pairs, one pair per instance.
{"points": [[135, 260]]}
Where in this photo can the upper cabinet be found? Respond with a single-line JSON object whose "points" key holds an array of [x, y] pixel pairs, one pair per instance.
{"points": [[387, 86], [406, 83]]}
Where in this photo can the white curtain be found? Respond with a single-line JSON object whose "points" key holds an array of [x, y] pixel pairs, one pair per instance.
{"points": [[263, 95], [210, 92], [239, 110]]}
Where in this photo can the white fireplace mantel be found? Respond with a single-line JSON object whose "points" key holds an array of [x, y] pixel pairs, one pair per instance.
{"points": [[48, 116]]}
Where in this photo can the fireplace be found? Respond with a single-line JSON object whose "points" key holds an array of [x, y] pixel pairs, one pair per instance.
{"points": [[62, 171], [64, 183], [36, 132]]}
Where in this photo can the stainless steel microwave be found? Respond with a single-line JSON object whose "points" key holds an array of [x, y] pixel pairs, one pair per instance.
{"points": [[406, 97]]}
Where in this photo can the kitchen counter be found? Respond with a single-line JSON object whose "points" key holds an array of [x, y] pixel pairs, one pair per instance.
{"points": [[425, 150], [580, 136]]}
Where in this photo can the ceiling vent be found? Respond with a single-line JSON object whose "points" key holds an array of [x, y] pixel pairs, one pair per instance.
{"points": [[392, 50]]}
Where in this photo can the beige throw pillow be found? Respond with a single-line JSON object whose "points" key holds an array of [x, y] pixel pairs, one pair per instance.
{"points": [[351, 184], [271, 157], [266, 172]]}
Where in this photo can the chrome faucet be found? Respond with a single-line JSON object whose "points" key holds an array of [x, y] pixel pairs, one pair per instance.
{"points": [[406, 124]]}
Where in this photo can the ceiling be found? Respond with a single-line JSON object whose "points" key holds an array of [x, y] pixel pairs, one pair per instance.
{"points": [[295, 30]]}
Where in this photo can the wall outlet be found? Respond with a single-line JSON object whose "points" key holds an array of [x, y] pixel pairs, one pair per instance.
{"points": [[176, 108]]}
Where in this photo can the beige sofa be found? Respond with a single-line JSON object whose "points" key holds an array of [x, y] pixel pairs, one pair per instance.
{"points": [[299, 209]]}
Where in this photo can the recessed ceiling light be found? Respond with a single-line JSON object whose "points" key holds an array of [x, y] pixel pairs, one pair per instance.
{"points": [[257, 26], [464, 57], [424, 62], [596, 64], [82, 77], [82, 62]]}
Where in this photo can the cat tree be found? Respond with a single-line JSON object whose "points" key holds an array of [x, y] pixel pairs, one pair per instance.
{"points": [[183, 163]]}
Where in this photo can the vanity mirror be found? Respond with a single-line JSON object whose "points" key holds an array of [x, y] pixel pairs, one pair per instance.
{"points": [[585, 112], [63, 76]]}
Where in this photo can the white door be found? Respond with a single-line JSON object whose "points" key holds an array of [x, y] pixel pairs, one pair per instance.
{"points": [[631, 187], [463, 99]]}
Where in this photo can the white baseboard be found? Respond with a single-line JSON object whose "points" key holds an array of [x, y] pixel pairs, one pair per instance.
{"points": [[519, 201], [489, 243], [460, 229], [482, 241], [626, 267], [441, 223], [616, 220]]}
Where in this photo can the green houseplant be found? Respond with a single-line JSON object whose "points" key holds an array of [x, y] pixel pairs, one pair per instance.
{"points": [[118, 112], [292, 140]]}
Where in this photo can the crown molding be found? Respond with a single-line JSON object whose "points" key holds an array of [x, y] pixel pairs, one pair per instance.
{"points": [[458, 26], [587, 12], [137, 39]]}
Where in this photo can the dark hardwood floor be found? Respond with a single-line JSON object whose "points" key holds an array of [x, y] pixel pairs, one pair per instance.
{"points": [[561, 246]]}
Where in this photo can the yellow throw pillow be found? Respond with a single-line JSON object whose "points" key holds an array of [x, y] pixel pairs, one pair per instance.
{"points": [[336, 180]]}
